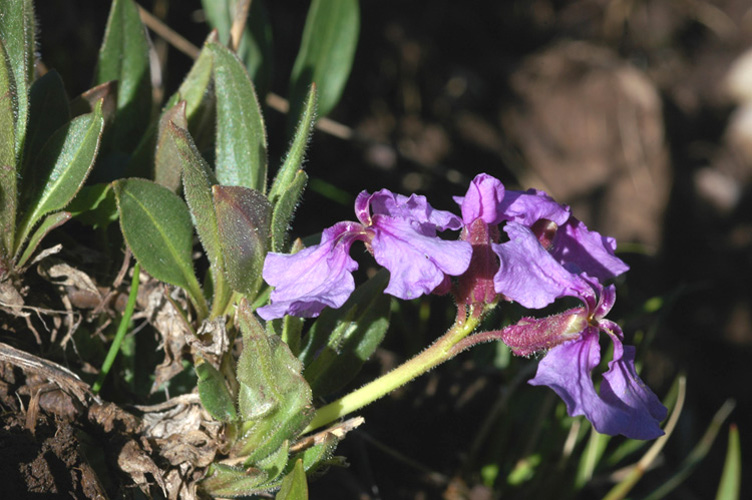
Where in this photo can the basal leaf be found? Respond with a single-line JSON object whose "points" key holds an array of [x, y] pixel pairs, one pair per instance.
{"points": [[8, 178], [326, 52], [17, 34], [341, 340], [215, 396], [243, 218], [48, 111], [241, 137], [157, 227], [167, 163], [49, 223], [294, 485], [94, 206], [274, 399], [60, 170], [106, 93], [731, 478], [124, 56]]}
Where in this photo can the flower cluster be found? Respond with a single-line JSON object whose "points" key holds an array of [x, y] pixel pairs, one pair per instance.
{"points": [[546, 254]]}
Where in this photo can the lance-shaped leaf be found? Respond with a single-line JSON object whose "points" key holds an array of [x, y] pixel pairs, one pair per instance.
{"points": [[326, 52], [17, 34], [294, 485], [274, 400], [61, 169], [49, 223], [94, 206], [8, 179], [241, 137], [124, 56], [255, 48], [199, 114], [157, 227], [168, 164], [348, 335], [243, 217], [214, 394], [290, 181], [48, 111]]}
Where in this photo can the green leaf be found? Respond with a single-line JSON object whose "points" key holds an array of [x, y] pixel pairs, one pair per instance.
{"points": [[326, 52], [274, 464], [17, 34], [241, 137], [94, 206], [284, 210], [228, 481], [274, 400], [294, 485], [48, 111], [731, 479], [255, 48], [124, 56], [49, 223], [157, 227], [214, 394], [197, 182], [341, 340], [167, 163], [243, 217], [590, 458], [61, 169], [296, 154], [8, 178]]}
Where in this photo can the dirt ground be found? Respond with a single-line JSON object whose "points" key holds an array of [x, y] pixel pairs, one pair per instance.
{"points": [[636, 113]]}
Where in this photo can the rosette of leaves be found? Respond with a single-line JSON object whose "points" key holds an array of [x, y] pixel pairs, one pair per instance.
{"points": [[48, 145]]}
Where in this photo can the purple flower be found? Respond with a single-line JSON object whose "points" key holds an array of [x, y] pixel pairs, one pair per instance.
{"points": [[399, 231], [549, 252], [625, 405]]}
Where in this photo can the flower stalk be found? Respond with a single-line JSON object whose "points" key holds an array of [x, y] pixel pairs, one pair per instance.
{"points": [[436, 354]]}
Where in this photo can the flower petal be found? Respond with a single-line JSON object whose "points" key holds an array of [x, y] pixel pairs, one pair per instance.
{"points": [[314, 278], [482, 200], [528, 207], [529, 275], [583, 251], [625, 405], [414, 208], [417, 262]]}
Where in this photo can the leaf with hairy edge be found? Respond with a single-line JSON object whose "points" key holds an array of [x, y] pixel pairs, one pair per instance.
{"points": [[94, 206], [243, 217], [326, 53], [124, 56], [49, 223], [48, 111], [284, 210], [274, 400], [157, 227], [8, 178], [61, 169], [214, 394], [241, 137], [17, 33], [198, 180], [199, 114], [349, 336], [167, 163], [296, 154], [294, 485], [226, 481], [255, 48]]}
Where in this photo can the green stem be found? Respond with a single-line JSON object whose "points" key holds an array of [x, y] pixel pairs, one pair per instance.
{"points": [[437, 353], [122, 328]]}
